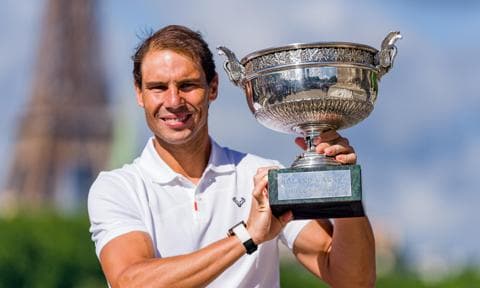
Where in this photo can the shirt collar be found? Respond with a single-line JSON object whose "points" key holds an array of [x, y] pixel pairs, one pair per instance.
{"points": [[158, 171], [219, 161]]}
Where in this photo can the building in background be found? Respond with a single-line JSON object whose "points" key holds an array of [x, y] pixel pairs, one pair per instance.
{"points": [[64, 133]]}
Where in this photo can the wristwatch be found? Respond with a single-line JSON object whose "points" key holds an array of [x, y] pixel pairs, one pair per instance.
{"points": [[240, 230]]}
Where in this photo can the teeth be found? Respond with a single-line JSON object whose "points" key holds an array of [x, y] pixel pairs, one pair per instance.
{"points": [[178, 119]]}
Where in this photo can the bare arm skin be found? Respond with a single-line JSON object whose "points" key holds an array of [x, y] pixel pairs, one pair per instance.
{"points": [[344, 254], [344, 259], [128, 260]]}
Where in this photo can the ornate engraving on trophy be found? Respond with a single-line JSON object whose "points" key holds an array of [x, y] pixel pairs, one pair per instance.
{"points": [[310, 55]]}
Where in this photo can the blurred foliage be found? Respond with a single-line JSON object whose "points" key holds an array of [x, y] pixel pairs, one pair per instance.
{"points": [[47, 250], [294, 275], [51, 250]]}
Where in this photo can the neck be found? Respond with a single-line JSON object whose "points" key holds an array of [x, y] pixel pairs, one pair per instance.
{"points": [[188, 159]]}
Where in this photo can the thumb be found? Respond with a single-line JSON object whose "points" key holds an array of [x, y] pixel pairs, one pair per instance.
{"points": [[260, 192]]}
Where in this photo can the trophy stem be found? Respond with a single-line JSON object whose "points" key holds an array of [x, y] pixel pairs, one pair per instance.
{"points": [[310, 158], [309, 141]]}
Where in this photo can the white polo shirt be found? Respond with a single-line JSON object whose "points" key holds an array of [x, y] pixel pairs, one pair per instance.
{"points": [[181, 217]]}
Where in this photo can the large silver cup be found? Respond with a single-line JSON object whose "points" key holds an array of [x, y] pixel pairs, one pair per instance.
{"points": [[307, 89]]}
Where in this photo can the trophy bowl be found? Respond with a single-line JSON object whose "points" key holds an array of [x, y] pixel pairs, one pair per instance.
{"points": [[309, 88], [322, 86]]}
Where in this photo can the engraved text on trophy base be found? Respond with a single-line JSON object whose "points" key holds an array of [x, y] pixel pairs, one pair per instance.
{"points": [[315, 184]]}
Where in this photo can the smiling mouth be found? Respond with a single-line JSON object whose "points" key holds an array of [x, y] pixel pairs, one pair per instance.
{"points": [[175, 118]]}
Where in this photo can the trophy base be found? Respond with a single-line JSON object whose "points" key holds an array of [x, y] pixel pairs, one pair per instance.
{"points": [[315, 193]]}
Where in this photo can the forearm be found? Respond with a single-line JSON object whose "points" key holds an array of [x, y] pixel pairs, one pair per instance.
{"points": [[196, 269], [351, 261]]}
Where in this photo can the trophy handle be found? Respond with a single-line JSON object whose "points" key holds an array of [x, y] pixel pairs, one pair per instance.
{"points": [[386, 56], [233, 67]]}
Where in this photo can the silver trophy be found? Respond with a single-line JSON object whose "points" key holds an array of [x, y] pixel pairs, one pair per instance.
{"points": [[307, 89]]}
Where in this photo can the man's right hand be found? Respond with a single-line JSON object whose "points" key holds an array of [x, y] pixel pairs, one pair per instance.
{"points": [[261, 224]]}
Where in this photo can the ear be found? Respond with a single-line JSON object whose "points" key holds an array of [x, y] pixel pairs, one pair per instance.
{"points": [[139, 94], [213, 89]]}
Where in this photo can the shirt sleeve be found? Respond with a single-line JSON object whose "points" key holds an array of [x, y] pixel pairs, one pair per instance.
{"points": [[113, 209], [291, 231]]}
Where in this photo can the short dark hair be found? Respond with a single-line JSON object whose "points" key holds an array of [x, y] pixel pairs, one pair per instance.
{"points": [[179, 39]]}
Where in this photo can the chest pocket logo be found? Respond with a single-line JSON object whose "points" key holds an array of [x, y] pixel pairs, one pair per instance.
{"points": [[239, 202]]}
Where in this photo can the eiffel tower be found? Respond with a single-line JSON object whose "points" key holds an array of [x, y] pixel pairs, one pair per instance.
{"points": [[65, 132]]}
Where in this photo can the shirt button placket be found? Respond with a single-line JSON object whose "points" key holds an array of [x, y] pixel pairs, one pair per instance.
{"points": [[196, 199], [199, 197], [192, 193]]}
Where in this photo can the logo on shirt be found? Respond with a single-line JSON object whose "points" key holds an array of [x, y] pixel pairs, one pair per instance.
{"points": [[238, 202]]}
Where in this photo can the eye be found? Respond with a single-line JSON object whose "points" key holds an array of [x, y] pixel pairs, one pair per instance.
{"points": [[158, 88], [188, 86]]}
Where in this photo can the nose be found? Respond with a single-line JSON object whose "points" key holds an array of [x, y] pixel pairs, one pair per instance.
{"points": [[172, 98]]}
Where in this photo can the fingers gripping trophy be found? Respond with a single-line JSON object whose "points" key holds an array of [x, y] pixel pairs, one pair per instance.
{"points": [[308, 89]]}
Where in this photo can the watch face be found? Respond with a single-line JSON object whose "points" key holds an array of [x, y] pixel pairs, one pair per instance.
{"points": [[230, 231]]}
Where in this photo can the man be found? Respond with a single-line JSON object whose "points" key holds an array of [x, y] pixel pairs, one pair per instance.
{"points": [[162, 221]]}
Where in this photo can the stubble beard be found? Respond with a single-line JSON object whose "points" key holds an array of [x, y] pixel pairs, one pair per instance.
{"points": [[194, 137]]}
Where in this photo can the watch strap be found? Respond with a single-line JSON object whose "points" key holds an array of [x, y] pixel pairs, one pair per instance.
{"points": [[240, 230]]}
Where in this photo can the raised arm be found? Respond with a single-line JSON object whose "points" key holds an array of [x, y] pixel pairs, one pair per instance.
{"points": [[342, 254]]}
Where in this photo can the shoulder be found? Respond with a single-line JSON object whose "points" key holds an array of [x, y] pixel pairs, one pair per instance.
{"points": [[124, 177], [116, 205], [115, 186]]}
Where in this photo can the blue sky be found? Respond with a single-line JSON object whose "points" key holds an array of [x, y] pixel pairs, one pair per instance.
{"points": [[419, 149]]}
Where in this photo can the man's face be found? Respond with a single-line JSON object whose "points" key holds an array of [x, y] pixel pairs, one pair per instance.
{"points": [[175, 96]]}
